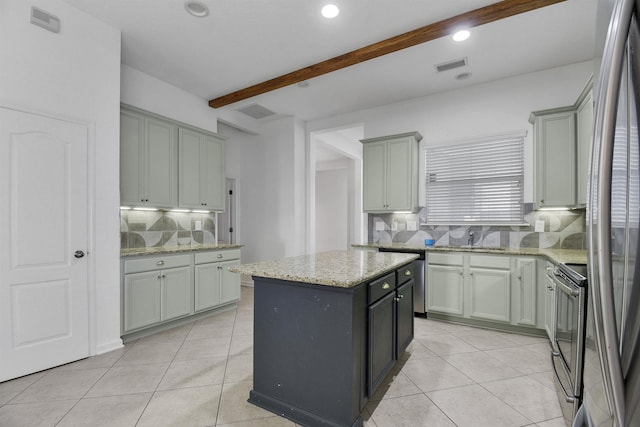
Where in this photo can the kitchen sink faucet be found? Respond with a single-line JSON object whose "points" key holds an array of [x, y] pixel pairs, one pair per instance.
{"points": [[470, 240]]}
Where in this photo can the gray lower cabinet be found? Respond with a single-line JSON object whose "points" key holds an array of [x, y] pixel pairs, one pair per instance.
{"points": [[445, 283], [214, 284], [499, 289], [525, 292], [160, 294], [159, 289], [549, 302]]}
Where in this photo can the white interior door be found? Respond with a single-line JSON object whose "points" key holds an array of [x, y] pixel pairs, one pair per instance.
{"points": [[44, 239]]}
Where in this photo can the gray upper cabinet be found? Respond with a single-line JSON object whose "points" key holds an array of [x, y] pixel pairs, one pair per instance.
{"points": [[148, 166], [584, 113], [201, 170], [390, 173], [168, 164], [554, 136]]}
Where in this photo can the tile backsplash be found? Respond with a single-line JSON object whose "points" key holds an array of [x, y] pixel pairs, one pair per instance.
{"points": [[562, 230], [139, 229]]}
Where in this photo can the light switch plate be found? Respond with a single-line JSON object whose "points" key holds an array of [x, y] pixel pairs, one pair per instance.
{"points": [[412, 225], [539, 227], [198, 225], [379, 226], [394, 225]]}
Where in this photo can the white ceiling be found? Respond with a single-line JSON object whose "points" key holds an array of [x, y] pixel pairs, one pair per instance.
{"points": [[244, 42]]}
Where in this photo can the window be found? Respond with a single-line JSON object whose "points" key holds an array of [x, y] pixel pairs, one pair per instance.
{"points": [[479, 182]]}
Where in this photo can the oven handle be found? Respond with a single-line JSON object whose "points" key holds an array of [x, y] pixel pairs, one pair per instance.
{"points": [[569, 399], [567, 289]]}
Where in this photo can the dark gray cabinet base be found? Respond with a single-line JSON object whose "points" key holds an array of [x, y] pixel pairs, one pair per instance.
{"points": [[321, 351], [310, 352]]}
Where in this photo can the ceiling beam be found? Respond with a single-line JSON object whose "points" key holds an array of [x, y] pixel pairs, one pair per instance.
{"points": [[474, 18]]}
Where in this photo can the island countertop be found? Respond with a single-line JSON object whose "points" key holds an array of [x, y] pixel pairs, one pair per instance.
{"points": [[343, 269]]}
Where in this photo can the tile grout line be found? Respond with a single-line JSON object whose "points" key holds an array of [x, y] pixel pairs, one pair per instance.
{"points": [[153, 393]]}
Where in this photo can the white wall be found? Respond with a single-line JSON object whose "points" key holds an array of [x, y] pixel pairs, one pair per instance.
{"points": [[475, 111], [75, 74], [271, 168], [144, 91], [332, 210]]}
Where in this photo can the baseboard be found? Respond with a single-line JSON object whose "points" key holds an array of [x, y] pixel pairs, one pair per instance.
{"points": [[110, 346]]}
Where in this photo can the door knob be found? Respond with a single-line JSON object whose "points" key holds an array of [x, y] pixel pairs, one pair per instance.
{"points": [[78, 254]]}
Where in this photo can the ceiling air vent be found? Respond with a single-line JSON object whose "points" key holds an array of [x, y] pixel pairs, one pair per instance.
{"points": [[446, 66], [256, 111]]}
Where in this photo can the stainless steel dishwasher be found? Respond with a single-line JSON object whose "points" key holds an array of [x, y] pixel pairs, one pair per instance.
{"points": [[419, 279]]}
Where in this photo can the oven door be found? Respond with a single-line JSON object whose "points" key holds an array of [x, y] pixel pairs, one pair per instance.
{"points": [[569, 339]]}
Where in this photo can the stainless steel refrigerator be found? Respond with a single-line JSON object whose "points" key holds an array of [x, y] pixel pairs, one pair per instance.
{"points": [[612, 345]]}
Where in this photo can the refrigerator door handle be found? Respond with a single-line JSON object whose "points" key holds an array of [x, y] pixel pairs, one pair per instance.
{"points": [[600, 207]]}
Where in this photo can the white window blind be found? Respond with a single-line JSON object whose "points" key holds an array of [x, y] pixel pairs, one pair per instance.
{"points": [[477, 182]]}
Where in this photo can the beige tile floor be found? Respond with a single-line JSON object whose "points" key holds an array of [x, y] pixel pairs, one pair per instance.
{"points": [[200, 374]]}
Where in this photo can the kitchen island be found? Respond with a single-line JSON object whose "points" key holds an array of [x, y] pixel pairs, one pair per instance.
{"points": [[328, 327]]}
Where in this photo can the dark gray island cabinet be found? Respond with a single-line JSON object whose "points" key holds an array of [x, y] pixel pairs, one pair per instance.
{"points": [[328, 327]]}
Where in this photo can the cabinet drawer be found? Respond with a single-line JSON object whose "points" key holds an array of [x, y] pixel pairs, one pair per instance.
{"points": [[405, 273], [216, 256], [382, 286], [155, 263], [490, 261], [448, 258]]}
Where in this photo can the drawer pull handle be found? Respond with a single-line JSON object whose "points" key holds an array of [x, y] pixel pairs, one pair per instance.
{"points": [[219, 255], [160, 262], [407, 273], [385, 285]]}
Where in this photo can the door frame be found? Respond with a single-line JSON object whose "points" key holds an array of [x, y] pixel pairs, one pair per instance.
{"points": [[91, 209]]}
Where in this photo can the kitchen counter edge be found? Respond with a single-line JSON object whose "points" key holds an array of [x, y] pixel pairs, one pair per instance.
{"points": [[556, 256], [176, 249]]}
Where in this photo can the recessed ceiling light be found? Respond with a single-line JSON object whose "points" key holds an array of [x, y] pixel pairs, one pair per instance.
{"points": [[330, 11], [196, 8], [303, 84], [461, 35], [463, 76]]}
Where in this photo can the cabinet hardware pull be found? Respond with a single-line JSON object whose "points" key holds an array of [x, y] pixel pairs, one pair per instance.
{"points": [[163, 276], [385, 285], [400, 296], [519, 277], [159, 276], [160, 262], [407, 273], [219, 255]]}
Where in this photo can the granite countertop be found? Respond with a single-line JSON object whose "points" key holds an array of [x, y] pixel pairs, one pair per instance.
{"points": [[343, 269], [569, 256], [176, 249]]}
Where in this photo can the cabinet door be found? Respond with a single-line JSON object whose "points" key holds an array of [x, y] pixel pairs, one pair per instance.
{"points": [[550, 308], [229, 282], [555, 171], [175, 293], [213, 174], [207, 286], [382, 339], [584, 136], [161, 180], [399, 174], [131, 158], [141, 299], [445, 289], [189, 169], [374, 185], [489, 294], [524, 292], [404, 317]]}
